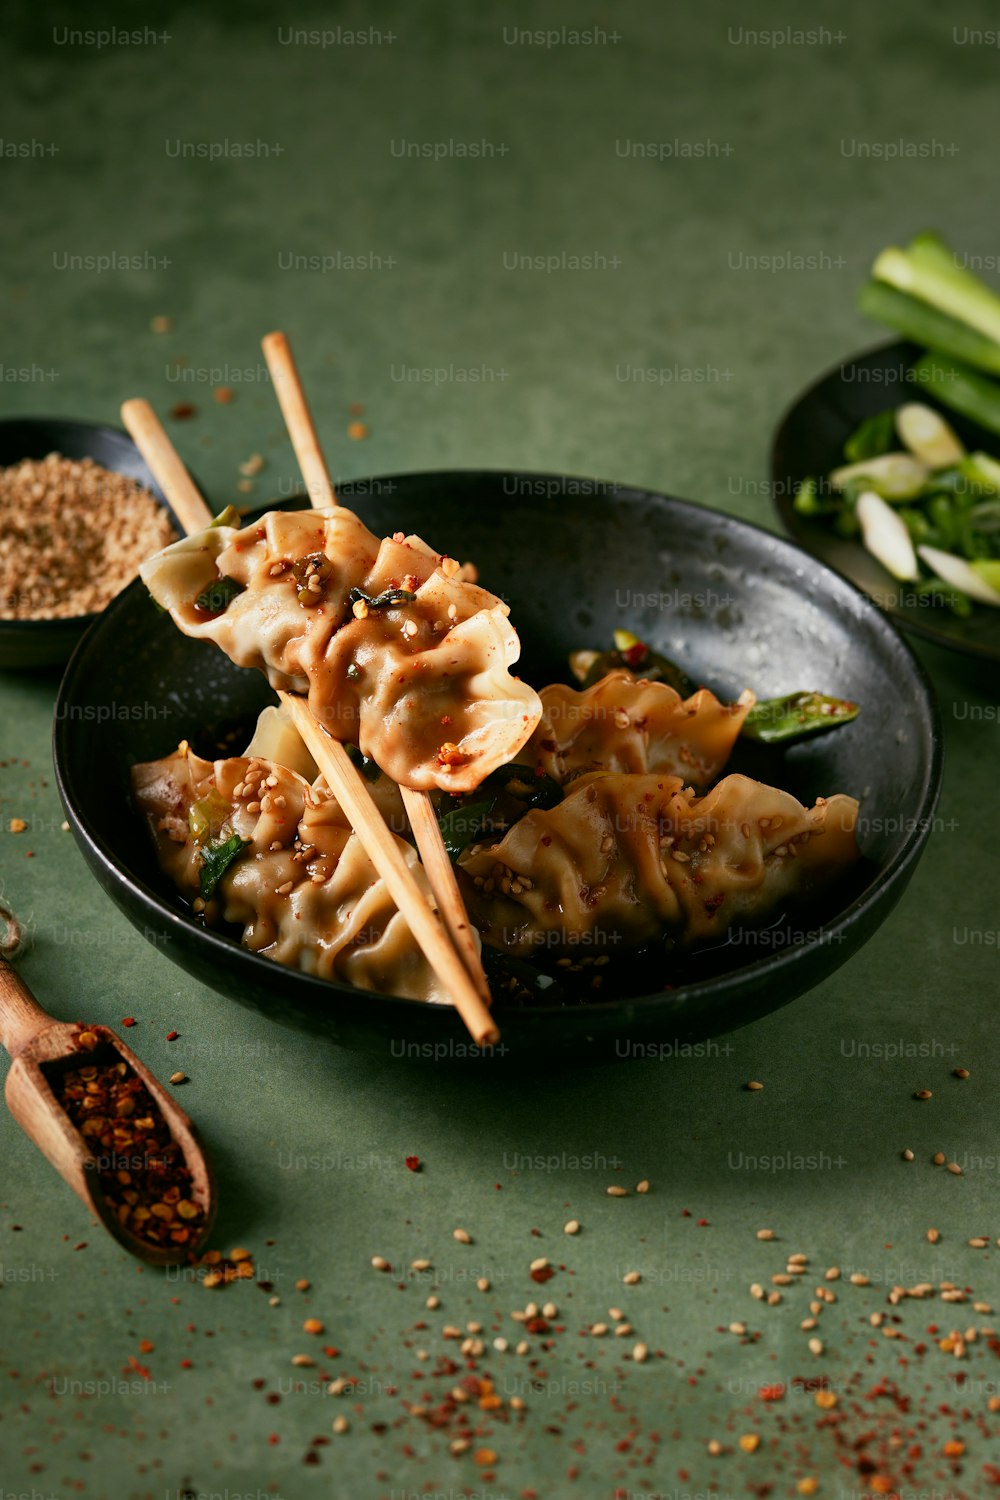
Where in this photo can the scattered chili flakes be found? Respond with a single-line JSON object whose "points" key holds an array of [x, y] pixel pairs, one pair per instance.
{"points": [[183, 411], [128, 1021], [413, 1163]]}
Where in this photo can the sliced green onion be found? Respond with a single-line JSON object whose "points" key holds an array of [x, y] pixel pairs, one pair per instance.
{"points": [[928, 436], [961, 388], [886, 536], [924, 325], [961, 575], [894, 476]]}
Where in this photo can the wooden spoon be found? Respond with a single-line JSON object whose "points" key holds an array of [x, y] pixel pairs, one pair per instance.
{"points": [[36, 1042]]}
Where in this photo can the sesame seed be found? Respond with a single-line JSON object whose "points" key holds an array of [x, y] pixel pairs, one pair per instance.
{"points": [[572, 1227], [816, 1346], [798, 1259], [549, 1310], [433, 1302], [756, 1290], [379, 1263], [765, 1234], [923, 1094], [750, 1442], [955, 1169], [312, 1325], [500, 1345], [738, 1328], [462, 1236], [541, 1264], [420, 1265], [178, 1078], [773, 1298], [907, 1154], [614, 1191], [939, 1158], [640, 1354], [808, 1324], [483, 1284], [340, 1424], [754, 1086], [632, 1277], [642, 1187], [303, 1361], [859, 1279], [959, 1072], [978, 1242], [833, 1274], [598, 1330]]}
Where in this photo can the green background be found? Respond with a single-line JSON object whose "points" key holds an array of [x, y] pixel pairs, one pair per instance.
{"points": [[310, 1141]]}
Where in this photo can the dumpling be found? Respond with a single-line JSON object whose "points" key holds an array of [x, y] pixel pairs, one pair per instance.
{"points": [[398, 652], [302, 887], [626, 860], [630, 725]]}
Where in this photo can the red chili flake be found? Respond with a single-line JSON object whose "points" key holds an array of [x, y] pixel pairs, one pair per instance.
{"points": [[182, 411], [128, 1021], [273, 1438], [172, 1036], [143, 1175], [636, 655], [413, 1163], [145, 1347], [81, 1246], [702, 1223], [543, 1274], [186, 1364], [258, 1384], [771, 1392]]}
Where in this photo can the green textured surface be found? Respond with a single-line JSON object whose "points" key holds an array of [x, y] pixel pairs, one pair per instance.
{"points": [[310, 1142]]}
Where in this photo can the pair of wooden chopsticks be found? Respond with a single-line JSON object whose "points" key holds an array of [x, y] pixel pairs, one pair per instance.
{"points": [[459, 967]]}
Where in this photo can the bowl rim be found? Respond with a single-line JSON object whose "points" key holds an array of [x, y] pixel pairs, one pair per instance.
{"points": [[785, 510], [722, 986], [75, 622]]}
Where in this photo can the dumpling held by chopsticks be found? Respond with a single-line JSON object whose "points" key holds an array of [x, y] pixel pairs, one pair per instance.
{"points": [[397, 653]]}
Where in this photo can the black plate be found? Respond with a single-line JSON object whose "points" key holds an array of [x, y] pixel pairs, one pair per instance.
{"points": [[575, 559], [810, 441], [49, 643]]}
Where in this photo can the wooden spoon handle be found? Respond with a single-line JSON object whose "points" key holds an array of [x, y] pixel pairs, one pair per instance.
{"points": [[21, 1016]]}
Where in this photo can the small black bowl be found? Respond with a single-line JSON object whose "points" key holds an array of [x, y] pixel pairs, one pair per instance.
{"points": [[49, 643], [575, 559], [809, 443]]}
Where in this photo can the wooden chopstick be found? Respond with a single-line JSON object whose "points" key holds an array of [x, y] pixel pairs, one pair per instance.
{"points": [[423, 820], [341, 775]]}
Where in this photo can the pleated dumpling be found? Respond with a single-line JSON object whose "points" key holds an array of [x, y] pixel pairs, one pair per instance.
{"points": [[301, 886], [629, 860], [399, 653], [625, 724]]}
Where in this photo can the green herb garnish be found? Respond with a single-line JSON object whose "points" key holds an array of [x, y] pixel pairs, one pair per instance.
{"points": [[215, 861], [875, 436], [460, 827], [216, 599], [384, 600], [369, 768]]}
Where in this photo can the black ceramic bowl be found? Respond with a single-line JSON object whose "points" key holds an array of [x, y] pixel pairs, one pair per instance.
{"points": [[48, 643], [810, 442], [575, 559]]}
